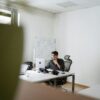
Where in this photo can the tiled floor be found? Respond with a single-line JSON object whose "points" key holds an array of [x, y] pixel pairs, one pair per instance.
{"points": [[68, 87]]}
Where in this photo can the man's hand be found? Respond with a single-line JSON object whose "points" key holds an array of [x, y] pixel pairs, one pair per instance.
{"points": [[56, 63]]}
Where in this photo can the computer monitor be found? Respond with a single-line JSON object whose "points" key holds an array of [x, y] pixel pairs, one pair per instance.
{"points": [[40, 63]]}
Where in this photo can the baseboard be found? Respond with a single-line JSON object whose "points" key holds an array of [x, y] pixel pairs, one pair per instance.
{"points": [[81, 85]]}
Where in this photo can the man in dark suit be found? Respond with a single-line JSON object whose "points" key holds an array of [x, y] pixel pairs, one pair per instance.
{"points": [[57, 64]]}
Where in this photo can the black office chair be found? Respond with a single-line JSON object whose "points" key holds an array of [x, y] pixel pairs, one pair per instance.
{"points": [[68, 63]]}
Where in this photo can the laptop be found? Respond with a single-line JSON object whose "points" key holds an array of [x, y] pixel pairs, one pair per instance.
{"points": [[40, 63]]}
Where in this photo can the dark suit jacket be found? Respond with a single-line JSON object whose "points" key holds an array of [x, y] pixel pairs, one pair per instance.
{"points": [[54, 66]]}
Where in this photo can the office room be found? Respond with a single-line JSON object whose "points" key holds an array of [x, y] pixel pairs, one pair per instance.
{"points": [[70, 27]]}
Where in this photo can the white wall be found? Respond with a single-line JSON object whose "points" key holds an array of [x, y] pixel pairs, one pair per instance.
{"points": [[78, 34], [36, 24]]}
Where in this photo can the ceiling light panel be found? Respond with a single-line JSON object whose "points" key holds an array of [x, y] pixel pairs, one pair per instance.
{"points": [[67, 4], [46, 1]]}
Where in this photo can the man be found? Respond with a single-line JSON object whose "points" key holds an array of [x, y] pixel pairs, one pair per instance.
{"points": [[56, 64]]}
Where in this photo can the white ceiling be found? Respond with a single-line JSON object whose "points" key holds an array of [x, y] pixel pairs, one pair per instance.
{"points": [[56, 6]]}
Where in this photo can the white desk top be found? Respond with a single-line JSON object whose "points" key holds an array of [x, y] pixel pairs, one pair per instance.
{"points": [[35, 76]]}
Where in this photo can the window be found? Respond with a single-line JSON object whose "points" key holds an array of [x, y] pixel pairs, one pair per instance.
{"points": [[9, 16], [5, 16]]}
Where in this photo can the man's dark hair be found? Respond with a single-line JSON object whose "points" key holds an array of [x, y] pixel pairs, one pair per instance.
{"points": [[55, 53]]}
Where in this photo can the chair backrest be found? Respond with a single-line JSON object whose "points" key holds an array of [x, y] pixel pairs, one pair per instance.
{"points": [[67, 63]]}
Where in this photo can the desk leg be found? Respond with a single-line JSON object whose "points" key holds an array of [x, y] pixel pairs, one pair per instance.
{"points": [[73, 83], [55, 82]]}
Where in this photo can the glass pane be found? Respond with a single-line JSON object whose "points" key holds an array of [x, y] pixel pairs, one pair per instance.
{"points": [[5, 16], [5, 20]]}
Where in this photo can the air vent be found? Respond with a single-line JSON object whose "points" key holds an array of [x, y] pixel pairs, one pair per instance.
{"points": [[67, 4]]}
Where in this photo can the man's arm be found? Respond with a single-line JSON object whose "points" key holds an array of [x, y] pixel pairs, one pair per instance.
{"points": [[48, 65], [60, 64], [56, 63]]}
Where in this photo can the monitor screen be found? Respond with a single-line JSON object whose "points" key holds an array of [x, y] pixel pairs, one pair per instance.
{"points": [[40, 63]]}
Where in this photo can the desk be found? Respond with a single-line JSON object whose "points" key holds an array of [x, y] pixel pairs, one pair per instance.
{"points": [[93, 91], [35, 77]]}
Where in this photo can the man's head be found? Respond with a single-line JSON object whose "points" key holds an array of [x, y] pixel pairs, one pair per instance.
{"points": [[54, 55]]}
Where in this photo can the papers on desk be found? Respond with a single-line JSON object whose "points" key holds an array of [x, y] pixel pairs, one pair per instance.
{"points": [[50, 70], [60, 72]]}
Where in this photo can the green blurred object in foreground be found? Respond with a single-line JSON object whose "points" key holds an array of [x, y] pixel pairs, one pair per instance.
{"points": [[11, 47]]}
